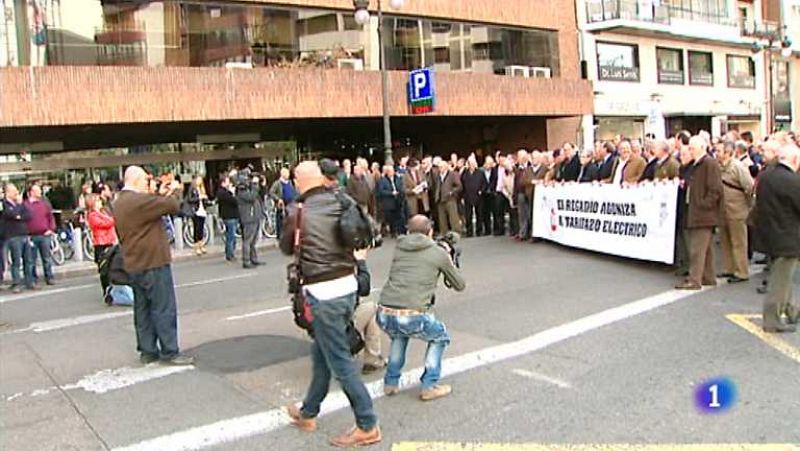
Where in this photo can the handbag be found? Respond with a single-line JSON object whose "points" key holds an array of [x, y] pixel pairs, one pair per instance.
{"points": [[301, 309]]}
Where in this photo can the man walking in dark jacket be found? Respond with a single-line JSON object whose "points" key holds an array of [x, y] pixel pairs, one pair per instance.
{"points": [[330, 286], [15, 219], [777, 224]]}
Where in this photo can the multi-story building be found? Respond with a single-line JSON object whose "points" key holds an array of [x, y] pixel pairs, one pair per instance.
{"points": [[94, 74], [661, 66]]}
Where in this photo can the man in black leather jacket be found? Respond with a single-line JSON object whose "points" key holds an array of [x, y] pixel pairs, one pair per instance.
{"points": [[249, 201], [329, 284]]}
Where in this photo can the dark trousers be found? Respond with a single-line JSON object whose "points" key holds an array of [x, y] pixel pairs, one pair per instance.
{"points": [[500, 208], [330, 357], [473, 210], [199, 223], [487, 212], [155, 314], [524, 219], [513, 221], [2, 260], [249, 240], [40, 246], [21, 266], [279, 222], [231, 225], [99, 251], [394, 217]]}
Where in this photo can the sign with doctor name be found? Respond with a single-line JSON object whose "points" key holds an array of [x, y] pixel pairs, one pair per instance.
{"points": [[421, 93], [635, 222]]}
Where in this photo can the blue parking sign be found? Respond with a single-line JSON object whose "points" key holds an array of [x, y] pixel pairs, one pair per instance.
{"points": [[420, 91]]}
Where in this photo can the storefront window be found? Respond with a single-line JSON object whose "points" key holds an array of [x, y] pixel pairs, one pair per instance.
{"points": [[701, 69], [617, 62], [741, 72], [670, 66]]}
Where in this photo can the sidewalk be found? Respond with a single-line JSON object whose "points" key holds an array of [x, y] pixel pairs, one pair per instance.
{"points": [[77, 269]]}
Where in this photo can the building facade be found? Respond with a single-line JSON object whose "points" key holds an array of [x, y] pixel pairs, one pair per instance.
{"points": [[660, 67], [91, 74]]}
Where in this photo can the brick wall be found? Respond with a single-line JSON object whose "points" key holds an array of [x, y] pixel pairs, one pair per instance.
{"points": [[64, 95]]}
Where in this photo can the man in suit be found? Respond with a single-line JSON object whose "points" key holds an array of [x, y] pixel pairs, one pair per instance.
{"points": [[523, 186], [147, 259], [448, 190], [358, 188], [489, 172], [649, 173], [391, 198], [474, 182], [738, 195], [667, 167], [590, 171], [777, 224], [416, 187], [606, 162], [705, 204], [570, 168], [629, 167]]}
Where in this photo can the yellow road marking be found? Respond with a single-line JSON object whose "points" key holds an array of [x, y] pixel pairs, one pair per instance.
{"points": [[440, 446], [778, 344]]}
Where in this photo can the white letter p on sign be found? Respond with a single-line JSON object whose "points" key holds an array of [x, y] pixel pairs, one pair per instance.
{"points": [[419, 83]]}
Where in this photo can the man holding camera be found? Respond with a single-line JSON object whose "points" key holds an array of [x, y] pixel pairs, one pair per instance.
{"points": [[327, 276], [147, 260], [404, 310], [249, 201]]}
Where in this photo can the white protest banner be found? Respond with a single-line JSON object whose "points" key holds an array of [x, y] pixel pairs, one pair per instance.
{"points": [[636, 221]]}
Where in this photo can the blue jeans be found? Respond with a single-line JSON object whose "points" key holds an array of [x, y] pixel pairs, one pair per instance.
{"points": [[41, 246], [155, 314], [20, 260], [424, 327], [330, 356], [230, 237]]}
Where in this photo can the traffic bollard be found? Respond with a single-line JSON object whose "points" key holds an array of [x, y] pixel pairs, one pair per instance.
{"points": [[77, 244], [178, 225]]}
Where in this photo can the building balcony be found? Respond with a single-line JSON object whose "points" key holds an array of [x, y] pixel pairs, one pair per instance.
{"points": [[652, 19]]}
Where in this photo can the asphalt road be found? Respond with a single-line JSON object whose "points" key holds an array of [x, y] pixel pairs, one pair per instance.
{"points": [[550, 346]]}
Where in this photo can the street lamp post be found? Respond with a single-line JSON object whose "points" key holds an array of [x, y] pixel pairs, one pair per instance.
{"points": [[772, 37], [362, 17]]}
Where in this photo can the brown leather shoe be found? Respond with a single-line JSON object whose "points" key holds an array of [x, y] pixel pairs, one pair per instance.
{"points": [[355, 437], [687, 286], [390, 390], [304, 424], [438, 391]]}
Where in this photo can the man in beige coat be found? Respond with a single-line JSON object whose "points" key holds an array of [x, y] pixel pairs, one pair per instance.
{"points": [[738, 197], [416, 186]]}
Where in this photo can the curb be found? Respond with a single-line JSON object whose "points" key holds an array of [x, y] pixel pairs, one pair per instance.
{"points": [[87, 268]]}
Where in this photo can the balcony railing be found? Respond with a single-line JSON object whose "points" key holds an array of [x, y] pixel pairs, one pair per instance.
{"points": [[648, 11], [605, 10]]}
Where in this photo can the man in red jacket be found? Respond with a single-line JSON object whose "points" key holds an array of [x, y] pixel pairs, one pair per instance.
{"points": [[41, 228]]}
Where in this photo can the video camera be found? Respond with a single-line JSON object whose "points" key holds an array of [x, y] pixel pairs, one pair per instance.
{"points": [[244, 178], [449, 242]]}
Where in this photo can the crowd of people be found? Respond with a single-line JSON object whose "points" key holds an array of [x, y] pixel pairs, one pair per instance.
{"points": [[745, 193]]}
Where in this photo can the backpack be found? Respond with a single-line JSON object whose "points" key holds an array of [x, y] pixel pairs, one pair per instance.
{"points": [[357, 229], [112, 266]]}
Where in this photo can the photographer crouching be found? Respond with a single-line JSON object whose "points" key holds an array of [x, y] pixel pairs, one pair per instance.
{"points": [[404, 310], [324, 275]]}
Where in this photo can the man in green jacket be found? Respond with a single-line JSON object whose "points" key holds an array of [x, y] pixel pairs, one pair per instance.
{"points": [[404, 309]]}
